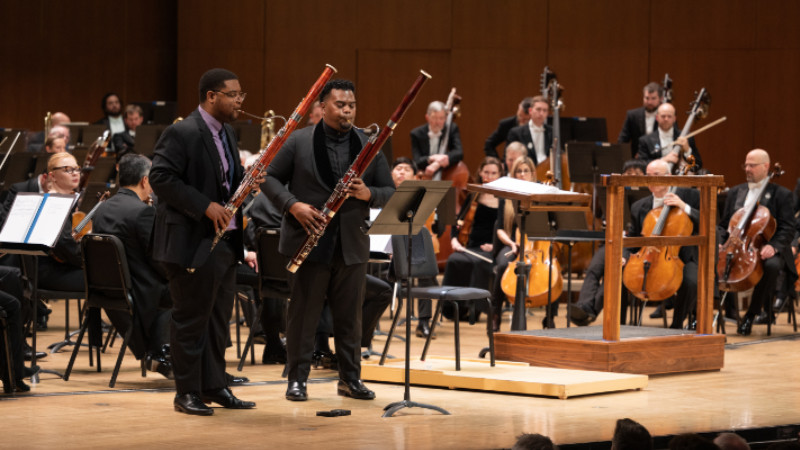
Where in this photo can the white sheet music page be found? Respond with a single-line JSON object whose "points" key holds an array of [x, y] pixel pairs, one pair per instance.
{"points": [[524, 187], [20, 217], [51, 220]]}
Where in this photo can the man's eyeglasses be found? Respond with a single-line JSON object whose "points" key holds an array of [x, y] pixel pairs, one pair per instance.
{"points": [[68, 169], [751, 166], [235, 95]]}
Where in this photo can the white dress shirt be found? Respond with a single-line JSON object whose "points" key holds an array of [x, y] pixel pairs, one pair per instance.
{"points": [[537, 133], [649, 121], [116, 125], [752, 192]]}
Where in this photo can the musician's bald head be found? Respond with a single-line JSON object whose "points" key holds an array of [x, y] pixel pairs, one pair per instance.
{"points": [[756, 165], [658, 167], [759, 154], [665, 116]]}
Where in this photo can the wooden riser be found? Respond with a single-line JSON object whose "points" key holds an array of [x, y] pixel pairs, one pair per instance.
{"points": [[643, 355]]}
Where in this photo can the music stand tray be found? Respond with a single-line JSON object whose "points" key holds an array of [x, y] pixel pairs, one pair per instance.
{"points": [[413, 198]]}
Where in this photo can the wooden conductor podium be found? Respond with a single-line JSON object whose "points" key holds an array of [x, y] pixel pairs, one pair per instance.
{"points": [[630, 349]]}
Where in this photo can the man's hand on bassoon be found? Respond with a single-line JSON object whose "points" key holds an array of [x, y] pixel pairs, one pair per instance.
{"points": [[309, 217]]}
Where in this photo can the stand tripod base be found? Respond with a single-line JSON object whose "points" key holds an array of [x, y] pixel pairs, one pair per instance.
{"points": [[397, 406]]}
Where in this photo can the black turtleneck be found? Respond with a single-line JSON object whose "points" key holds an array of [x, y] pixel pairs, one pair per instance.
{"points": [[338, 145]]}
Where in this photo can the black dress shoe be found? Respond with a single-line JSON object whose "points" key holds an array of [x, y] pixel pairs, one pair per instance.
{"points": [[225, 398], [30, 371], [159, 363], [762, 319], [325, 360], [22, 387], [191, 404], [232, 379], [354, 389], [779, 302], [41, 323], [296, 391], [580, 316], [274, 355], [544, 322], [28, 352], [497, 319], [424, 329], [658, 313], [746, 327]]}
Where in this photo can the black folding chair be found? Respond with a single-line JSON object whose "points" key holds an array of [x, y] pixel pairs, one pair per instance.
{"points": [[108, 285], [273, 281], [441, 294]]}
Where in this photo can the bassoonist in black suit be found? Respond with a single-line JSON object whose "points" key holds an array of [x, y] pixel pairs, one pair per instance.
{"points": [[311, 162], [195, 170]]}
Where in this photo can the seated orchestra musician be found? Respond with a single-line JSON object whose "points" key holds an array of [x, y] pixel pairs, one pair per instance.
{"points": [[659, 144], [514, 151], [777, 253], [36, 142], [686, 200], [523, 169], [127, 216], [642, 121], [55, 144], [112, 114], [426, 139], [536, 135], [590, 300], [499, 135], [463, 267], [132, 117]]}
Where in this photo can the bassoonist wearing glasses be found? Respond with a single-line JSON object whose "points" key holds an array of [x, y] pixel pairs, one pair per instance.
{"points": [[196, 169]]}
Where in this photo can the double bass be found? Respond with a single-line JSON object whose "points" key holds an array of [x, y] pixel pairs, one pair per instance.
{"points": [[699, 110], [457, 173], [656, 273], [740, 266], [556, 163], [667, 86]]}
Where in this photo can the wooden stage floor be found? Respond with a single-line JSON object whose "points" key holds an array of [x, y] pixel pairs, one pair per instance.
{"points": [[757, 387]]}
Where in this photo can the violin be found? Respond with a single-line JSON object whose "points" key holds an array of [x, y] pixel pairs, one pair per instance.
{"points": [[740, 266], [465, 218], [537, 256], [656, 273], [82, 222]]}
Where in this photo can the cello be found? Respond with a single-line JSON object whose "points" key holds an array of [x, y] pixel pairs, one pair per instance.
{"points": [[740, 266], [656, 273], [537, 256]]}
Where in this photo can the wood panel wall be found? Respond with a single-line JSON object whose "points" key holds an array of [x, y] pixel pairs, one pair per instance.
{"points": [[65, 55]]}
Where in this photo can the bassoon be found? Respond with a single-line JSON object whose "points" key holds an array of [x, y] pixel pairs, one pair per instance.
{"points": [[356, 170], [257, 170]]}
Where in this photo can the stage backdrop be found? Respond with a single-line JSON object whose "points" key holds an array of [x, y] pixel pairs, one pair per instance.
{"points": [[65, 55]]}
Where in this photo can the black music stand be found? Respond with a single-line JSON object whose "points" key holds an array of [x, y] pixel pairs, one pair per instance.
{"points": [[83, 133], [589, 160], [412, 198], [146, 137], [18, 248], [18, 168], [158, 112]]}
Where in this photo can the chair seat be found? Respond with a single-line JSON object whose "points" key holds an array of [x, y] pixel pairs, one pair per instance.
{"points": [[446, 293], [275, 289], [45, 294]]}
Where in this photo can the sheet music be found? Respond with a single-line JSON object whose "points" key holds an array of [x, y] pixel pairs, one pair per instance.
{"points": [[525, 187], [51, 219], [380, 243], [20, 218]]}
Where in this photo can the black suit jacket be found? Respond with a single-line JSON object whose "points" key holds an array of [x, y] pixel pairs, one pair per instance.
{"points": [[499, 136], [31, 185], [131, 220], [300, 166], [650, 148], [187, 176], [778, 200], [122, 140], [641, 208], [106, 122], [421, 146], [522, 134], [634, 128]]}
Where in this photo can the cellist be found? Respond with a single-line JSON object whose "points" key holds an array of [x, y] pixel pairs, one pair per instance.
{"points": [[687, 200], [777, 254]]}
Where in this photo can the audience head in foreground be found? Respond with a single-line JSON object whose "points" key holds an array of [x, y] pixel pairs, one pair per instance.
{"points": [[630, 435], [534, 442]]}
